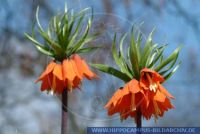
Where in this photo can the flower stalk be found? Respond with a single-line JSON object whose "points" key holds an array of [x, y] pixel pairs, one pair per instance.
{"points": [[64, 112], [138, 120]]}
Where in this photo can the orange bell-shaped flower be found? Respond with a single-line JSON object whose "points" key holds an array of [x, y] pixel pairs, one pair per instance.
{"points": [[156, 96], [66, 75], [148, 95], [52, 78], [124, 100]]}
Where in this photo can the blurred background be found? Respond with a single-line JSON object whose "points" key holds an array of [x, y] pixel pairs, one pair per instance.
{"points": [[25, 110]]}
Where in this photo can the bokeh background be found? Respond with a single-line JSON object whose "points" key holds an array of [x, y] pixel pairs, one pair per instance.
{"points": [[25, 110]]}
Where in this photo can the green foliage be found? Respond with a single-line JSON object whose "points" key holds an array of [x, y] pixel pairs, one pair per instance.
{"points": [[112, 71], [66, 34], [150, 55]]}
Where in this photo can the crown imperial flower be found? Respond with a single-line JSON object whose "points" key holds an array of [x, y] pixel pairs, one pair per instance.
{"points": [[63, 43], [143, 72], [66, 75]]}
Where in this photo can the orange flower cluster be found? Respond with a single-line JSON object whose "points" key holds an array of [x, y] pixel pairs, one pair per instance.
{"points": [[147, 95], [66, 75]]}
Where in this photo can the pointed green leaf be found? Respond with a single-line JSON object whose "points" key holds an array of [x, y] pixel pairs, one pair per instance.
{"points": [[158, 53], [76, 32], [134, 58], [53, 44], [170, 59], [66, 7], [147, 51], [87, 49], [40, 47], [119, 59], [80, 43], [166, 77], [81, 12], [121, 44], [112, 71], [37, 19]]}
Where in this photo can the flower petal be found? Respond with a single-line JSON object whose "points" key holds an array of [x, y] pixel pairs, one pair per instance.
{"points": [[48, 70], [164, 91], [155, 76], [46, 83], [76, 69], [57, 71], [76, 82], [78, 62], [68, 70], [159, 96], [83, 68], [133, 86], [115, 98], [59, 86]]}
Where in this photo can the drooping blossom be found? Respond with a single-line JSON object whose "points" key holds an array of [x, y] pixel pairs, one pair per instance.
{"points": [[65, 75], [148, 95], [157, 98]]}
